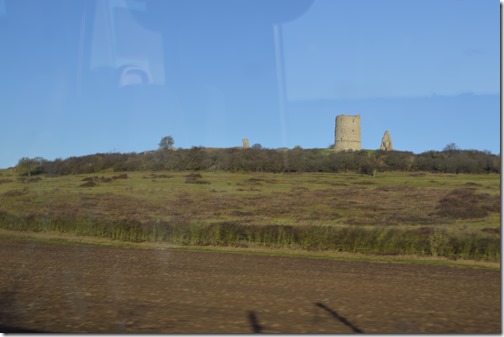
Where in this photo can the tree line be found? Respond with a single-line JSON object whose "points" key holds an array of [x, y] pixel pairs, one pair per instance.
{"points": [[450, 160]]}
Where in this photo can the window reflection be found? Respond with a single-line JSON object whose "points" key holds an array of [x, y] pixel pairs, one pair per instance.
{"points": [[122, 46]]}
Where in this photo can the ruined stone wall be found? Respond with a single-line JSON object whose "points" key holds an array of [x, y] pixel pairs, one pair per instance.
{"points": [[386, 143], [347, 134]]}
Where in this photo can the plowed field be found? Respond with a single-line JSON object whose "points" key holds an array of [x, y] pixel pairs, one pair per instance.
{"points": [[65, 288]]}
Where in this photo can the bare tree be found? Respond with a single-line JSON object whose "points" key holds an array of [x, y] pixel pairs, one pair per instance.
{"points": [[451, 147]]}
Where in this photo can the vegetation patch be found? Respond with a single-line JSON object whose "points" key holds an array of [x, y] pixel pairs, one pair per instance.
{"points": [[195, 178], [16, 193], [363, 183], [491, 230], [241, 213], [95, 181], [472, 184], [463, 203], [295, 160], [88, 184], [398, 214], [380, 240], [255, 181], [158, 176]]}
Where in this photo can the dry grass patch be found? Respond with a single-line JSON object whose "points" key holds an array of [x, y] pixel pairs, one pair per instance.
{"points": [[463, 203], [16, 193], [195, 178]]}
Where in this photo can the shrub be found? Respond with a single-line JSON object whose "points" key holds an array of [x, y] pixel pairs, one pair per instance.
{"points": [[88, 184], [194, 178], [465, 204]]}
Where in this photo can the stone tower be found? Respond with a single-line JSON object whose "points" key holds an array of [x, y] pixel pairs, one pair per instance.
{"points": [[386, 142], [245, 142], [347, 133]]}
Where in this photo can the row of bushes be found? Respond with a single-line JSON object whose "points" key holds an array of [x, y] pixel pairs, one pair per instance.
{"points": [[267, 160], [423, 241]]}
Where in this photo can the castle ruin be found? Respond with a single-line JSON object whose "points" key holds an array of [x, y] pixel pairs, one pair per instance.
{"points": [[245, 143], [347, 134], [386, 143]]}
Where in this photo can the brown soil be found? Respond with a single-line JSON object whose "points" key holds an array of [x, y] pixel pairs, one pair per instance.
{"points": [[65, 288]]}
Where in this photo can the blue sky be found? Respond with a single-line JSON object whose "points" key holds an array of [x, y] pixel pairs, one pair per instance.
{"points": [[275, 71]]}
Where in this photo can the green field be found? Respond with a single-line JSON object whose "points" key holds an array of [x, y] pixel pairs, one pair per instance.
{"points": [[422, 214]]}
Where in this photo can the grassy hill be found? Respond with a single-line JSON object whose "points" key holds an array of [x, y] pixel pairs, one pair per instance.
{"points": [[451, 215]]}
